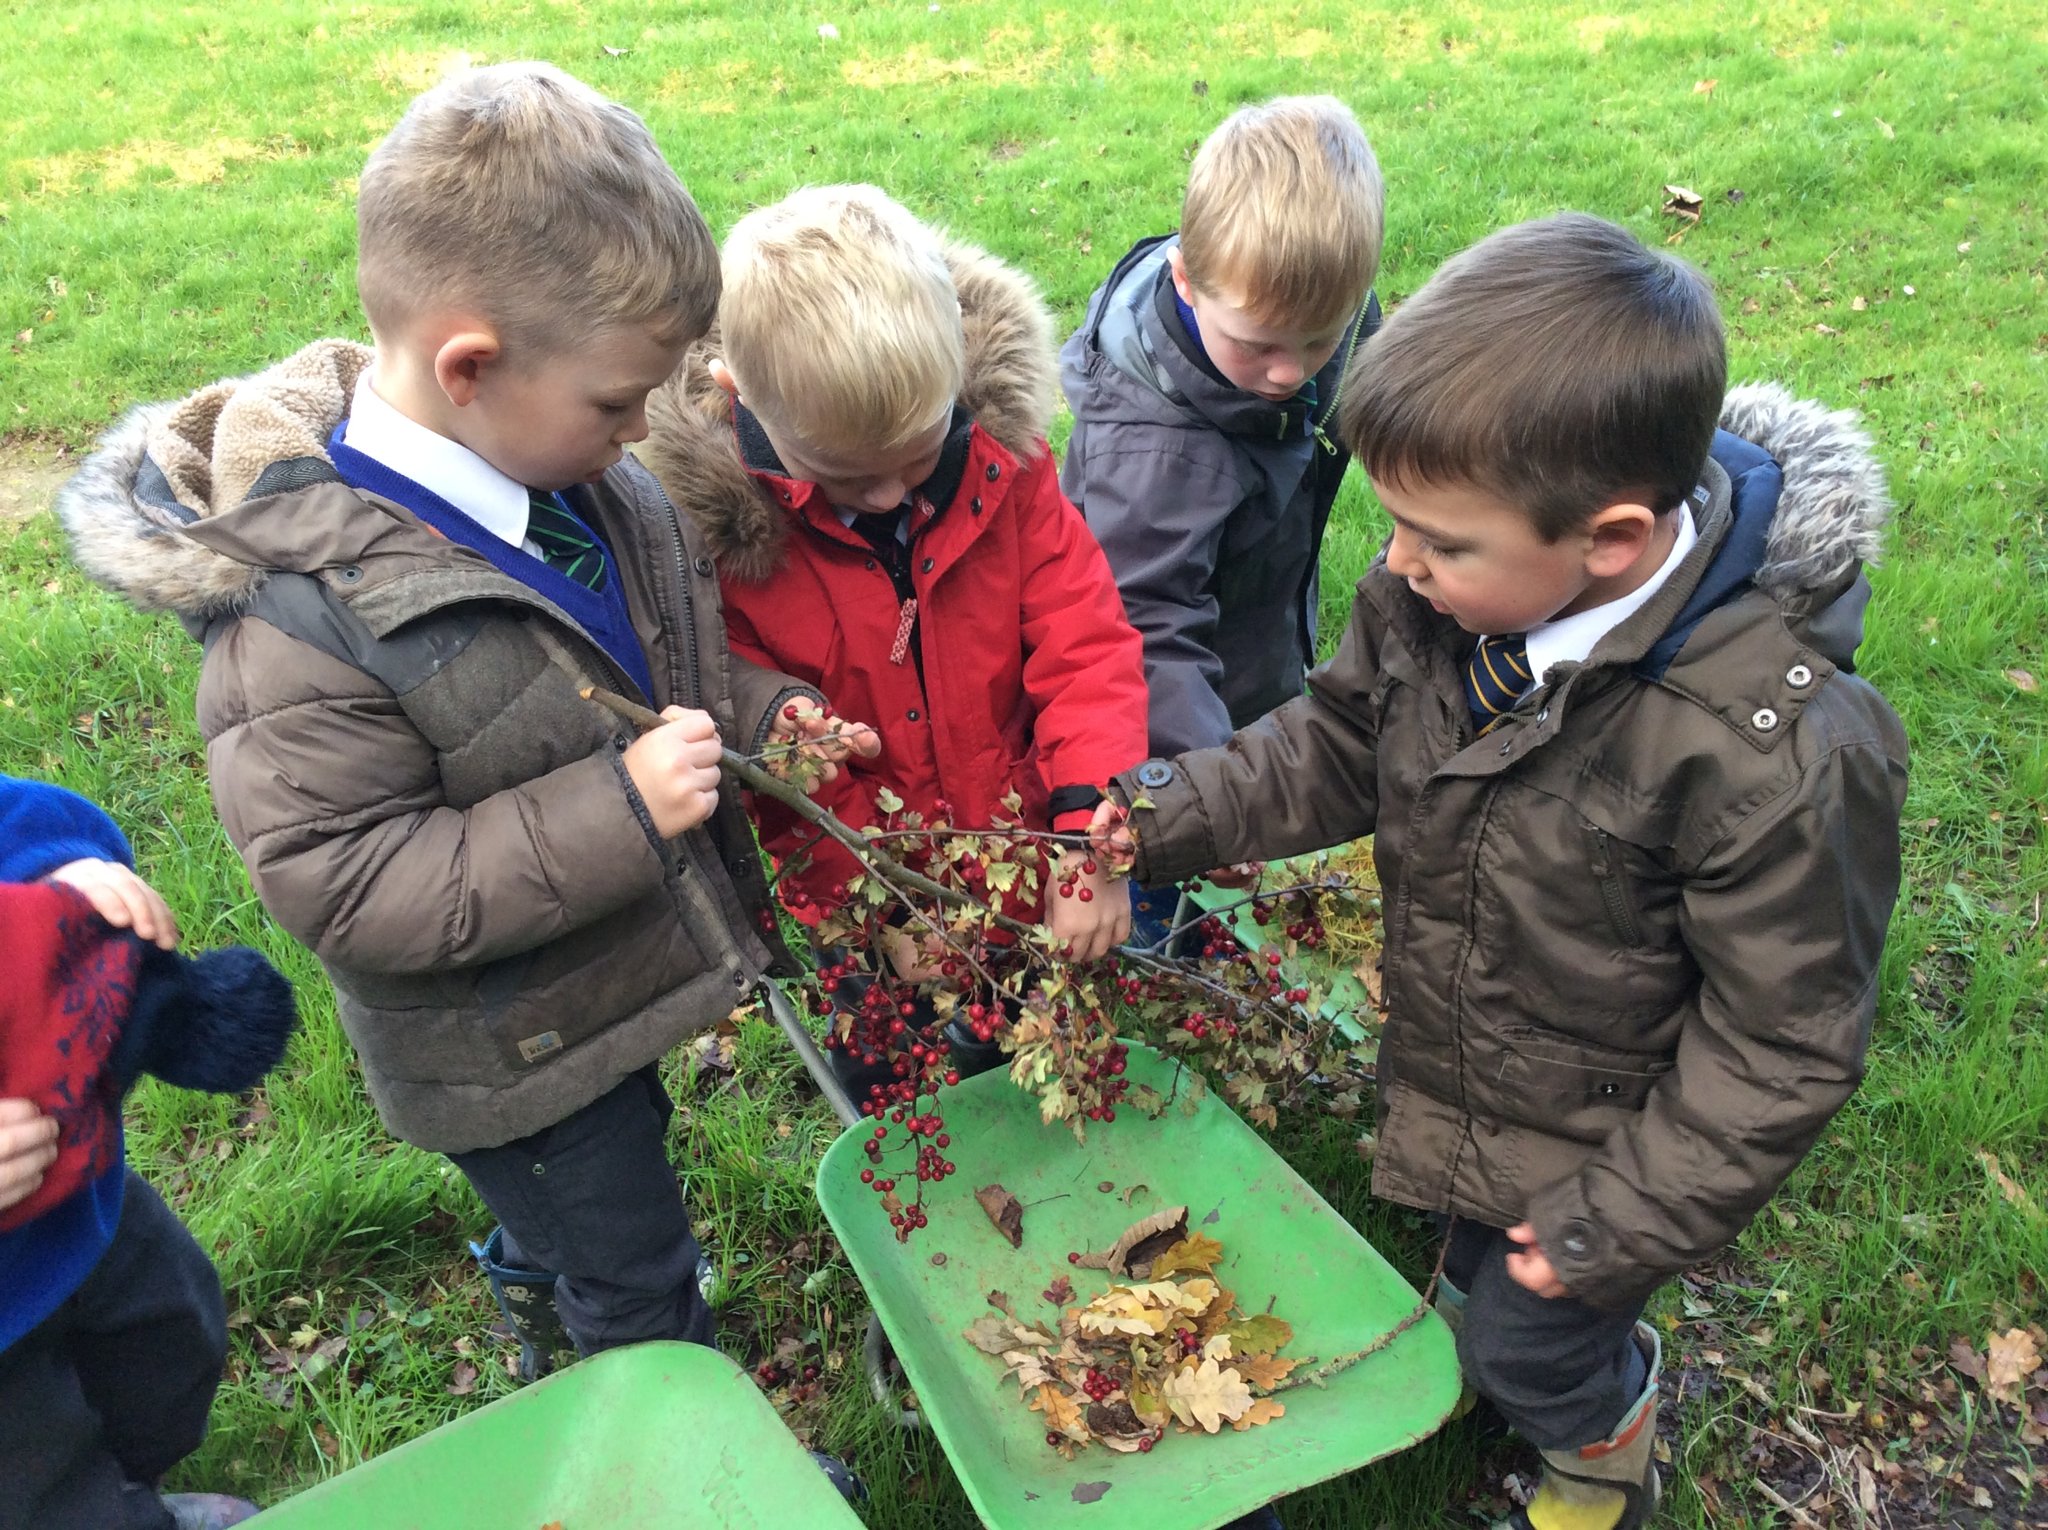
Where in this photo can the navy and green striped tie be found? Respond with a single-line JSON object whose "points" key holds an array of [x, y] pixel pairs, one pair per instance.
{"points": [[1496, 677], [566, 544]]}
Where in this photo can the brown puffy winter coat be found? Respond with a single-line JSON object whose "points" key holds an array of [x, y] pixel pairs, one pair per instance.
{"points": [[1632, 934], [419, 792]]}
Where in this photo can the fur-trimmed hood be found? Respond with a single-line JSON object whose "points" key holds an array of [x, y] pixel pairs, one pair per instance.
{"points": [[1830, 515], [1010, 388], [138, 510]]}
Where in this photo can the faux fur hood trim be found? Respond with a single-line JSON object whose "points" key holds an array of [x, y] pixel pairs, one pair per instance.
{"points": [[1012, 384], [1834, 505], [165, 467]]}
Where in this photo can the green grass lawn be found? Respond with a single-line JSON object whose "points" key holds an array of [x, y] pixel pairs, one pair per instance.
{"points": [[175, 204]]}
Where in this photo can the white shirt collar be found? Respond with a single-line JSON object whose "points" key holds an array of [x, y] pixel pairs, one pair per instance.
{"points": [[435, 463], [1570, 639]]}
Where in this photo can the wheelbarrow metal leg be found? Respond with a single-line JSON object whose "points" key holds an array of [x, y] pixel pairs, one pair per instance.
{"points": [[849, 1116]]}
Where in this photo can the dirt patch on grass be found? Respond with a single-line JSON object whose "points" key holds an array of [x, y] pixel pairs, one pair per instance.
{"points": [[30, 475]]}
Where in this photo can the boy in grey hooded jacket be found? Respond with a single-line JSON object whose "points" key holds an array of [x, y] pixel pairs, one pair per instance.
{"points": [[1202, 382]]}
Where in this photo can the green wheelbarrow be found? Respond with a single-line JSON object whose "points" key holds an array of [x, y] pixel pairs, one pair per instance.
{"points": [[650, 1437], [1283, 1242]]}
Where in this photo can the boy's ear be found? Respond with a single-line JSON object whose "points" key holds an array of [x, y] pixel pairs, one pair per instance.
{"points": [[462, 361], [722, 375], [1617, 536], [1179, 268]]}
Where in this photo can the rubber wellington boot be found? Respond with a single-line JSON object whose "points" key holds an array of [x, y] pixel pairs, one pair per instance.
{"points": [[526, 1298], [1611, 1484], [208, 1511]]}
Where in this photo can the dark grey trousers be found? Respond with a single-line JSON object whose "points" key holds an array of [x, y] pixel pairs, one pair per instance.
{"points": [[112, 1389], [594, 1199], [1562, 1373]]}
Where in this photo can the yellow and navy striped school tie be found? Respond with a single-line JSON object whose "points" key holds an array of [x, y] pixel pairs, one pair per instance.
{"points": [[1496, 677]]}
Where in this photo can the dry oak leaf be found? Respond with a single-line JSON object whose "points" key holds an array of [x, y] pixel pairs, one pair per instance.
{"points": [[1196, 1254], [990, 1334], [1142, 1242], [1122, 1310], [1265, 1371], [1062, 1413], [1207, 1395], [1683, 202], [1260, 1334], [1262, 1411], [2009, 1359]]}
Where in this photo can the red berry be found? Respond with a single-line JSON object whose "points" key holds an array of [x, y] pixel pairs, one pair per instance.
{"points": [[1146, 1443], [790, 711], [867, 1176], [1073, 1258], [1086, 895]]}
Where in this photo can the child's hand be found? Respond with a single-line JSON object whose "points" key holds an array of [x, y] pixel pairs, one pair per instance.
{"points": [[1096, 919], [808, 743], [121, 898], [1243, 874], [28, 1146], [675, 770], [1111, 839], [1531, 1268]]}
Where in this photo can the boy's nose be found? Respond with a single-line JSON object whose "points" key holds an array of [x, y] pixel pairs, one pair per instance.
{"points": [[885, 496], [1286, 374], [635, 429], [1401, 559]]}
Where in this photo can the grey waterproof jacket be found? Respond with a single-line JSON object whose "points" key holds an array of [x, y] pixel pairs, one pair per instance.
{"points": [[1210, 502], [397, 748], [1632, 933]]}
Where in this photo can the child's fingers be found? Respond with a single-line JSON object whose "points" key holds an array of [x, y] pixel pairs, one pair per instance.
{"points": [[28, 1146], [148, 915]]}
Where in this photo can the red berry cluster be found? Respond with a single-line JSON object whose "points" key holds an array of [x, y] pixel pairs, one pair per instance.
{"points": [[1097, 1386], [1069, 884]]}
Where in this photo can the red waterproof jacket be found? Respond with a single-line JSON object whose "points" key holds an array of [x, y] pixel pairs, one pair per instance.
{"points": [[1024, 674]]}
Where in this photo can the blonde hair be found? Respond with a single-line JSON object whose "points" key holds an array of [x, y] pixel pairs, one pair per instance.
{"points": [[520, 193], [1284, 212], [840, 321]]}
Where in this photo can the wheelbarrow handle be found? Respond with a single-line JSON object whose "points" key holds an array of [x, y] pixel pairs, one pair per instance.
{"points": [[807, 1050]]}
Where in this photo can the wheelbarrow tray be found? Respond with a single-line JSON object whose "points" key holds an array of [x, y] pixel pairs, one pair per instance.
{"points": [[656, 1436], [1283, 1244]]}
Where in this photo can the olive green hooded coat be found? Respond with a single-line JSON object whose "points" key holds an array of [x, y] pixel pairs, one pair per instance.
{"points": [[397, 748], [1631, 934]]}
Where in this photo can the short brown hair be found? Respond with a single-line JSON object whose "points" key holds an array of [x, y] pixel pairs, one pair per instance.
{"points": [[1559, 365], [1284, 212], [524, 195], [840, 320]]}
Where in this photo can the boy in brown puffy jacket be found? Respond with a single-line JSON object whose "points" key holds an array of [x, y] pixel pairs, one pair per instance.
{"points": [[1635, 818], [405, 563]]}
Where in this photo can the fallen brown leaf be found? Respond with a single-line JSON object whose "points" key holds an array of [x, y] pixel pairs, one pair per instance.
{"points": [[1004, 1211]]}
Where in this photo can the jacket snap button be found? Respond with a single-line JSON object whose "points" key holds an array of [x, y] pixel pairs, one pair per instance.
{"points": [[926, 566], [1798, 676], [994, 472], [621, 743], [704, 567], [1575, 1244], [1763, 719], [351, 574], [739, 980], [871, 565], [1610, 1087], [913, 714], [1543, 715], [975, 505], [1154, 773], [1507, 747]]}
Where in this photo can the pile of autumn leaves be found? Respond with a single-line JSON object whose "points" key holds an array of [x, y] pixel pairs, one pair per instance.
{"points": [[1167, 1346]]}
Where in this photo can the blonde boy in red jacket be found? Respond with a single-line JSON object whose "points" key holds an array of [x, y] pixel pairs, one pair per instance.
{"points": [[862, 443]]}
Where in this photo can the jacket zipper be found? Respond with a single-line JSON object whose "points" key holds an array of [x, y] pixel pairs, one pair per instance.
{"points": [[1337, 393], [1612, 893]]}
